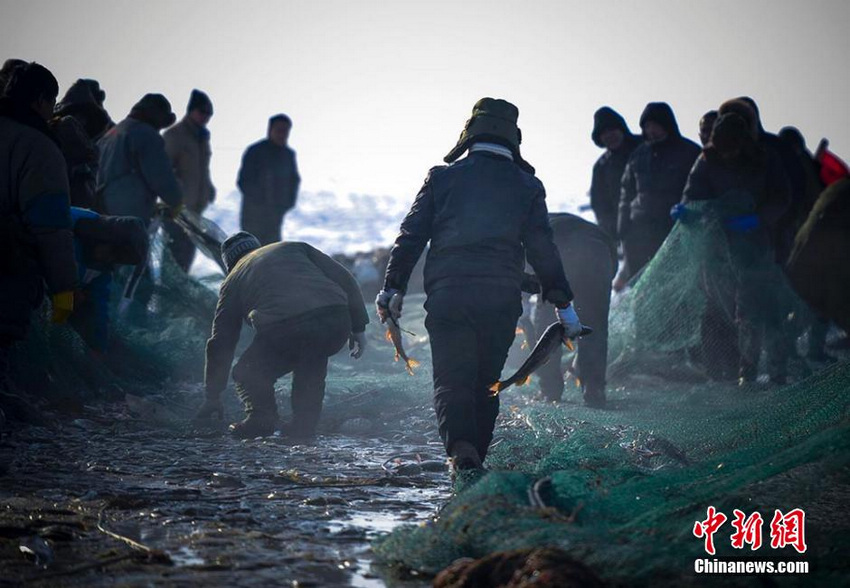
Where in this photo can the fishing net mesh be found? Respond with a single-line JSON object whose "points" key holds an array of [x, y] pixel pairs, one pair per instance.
{"points": [[621, 489]]}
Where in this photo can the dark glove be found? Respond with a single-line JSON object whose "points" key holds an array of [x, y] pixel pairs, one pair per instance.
{"points": [[530, 284], [744, 223]]}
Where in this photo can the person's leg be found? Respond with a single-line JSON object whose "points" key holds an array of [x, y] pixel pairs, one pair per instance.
{"points": [[454, 355], [495, 315], [254, 376], [550, 375]]}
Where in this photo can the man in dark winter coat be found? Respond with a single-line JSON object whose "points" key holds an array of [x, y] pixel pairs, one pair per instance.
{"points": [[304, 306], [78, 123], [35, 221], [589, 256], [188, 146], [269, 182], [134, 167], [483, 215], [653, 181], [749, 179], [611, 133]]}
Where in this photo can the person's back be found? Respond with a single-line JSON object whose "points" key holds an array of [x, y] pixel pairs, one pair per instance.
{"points": [[134, 167]]}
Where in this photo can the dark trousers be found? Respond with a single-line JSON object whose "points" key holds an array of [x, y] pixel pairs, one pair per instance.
{"points": [[471, 330], [590, 269], [263, 222], [302, 346], [642, 242]]}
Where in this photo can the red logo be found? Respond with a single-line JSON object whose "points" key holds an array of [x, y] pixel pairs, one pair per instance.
{"points": [[789, 529], [707, 528], [785, 529]]}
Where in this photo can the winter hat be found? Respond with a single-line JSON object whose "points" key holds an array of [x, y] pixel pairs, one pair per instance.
{"points": [[793, 137], [662, 114], [94, 88], [732, 133], [155, 110], [495, 121], [604, 119], [236, 247], [745, 110], [80, 100], [200, 101]]}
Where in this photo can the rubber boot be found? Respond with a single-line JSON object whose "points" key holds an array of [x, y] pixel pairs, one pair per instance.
{"points": [[465, 456], [262, 416]]}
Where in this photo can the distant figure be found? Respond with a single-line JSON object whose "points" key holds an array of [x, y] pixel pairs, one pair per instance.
{"points": [[611, 133], [706, 123], [78, 123], [653, 181], [134, 168], [303, 306], [749, 178], [101, 243], [589, 256], [269, 182], [188, 146], [99, 97], [35, 218], [483, 216]]}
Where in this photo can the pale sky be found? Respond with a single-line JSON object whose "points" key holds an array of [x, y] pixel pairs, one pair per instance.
{"points": [[379, 91]]}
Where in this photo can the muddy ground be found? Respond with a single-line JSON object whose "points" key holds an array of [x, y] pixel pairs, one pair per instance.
{"points": [[107, 499]]}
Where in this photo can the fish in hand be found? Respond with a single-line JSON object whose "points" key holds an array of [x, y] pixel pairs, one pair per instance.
{"points": [[394, 332]]}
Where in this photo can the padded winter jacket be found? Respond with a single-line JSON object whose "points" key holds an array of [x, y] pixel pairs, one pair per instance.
{"points": [[135, 171], [268, 179], [483, 216], [607, 181], [270, 286], [188, 147]]}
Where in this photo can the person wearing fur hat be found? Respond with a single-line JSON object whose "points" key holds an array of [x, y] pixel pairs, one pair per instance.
{"points": [[134, 168], [303, 307], [483, 215], [78, 123], [736, 170], [653, 181], [188, 146], [611, 133]]}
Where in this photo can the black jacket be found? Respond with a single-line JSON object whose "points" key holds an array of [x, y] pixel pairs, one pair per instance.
{"points": [[482, 215], [653, 181], [607, 178], [269, 177]]}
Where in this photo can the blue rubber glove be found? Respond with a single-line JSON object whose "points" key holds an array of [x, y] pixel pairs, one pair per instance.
{"points": [[680, 212], [744, 223], [569, 319]]}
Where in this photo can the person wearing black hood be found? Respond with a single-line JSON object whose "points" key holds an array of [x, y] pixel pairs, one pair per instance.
{"points": [[483, 216], [78, 123], [734, 167], [35, 218], [611, 133], [653, 181], [6, 71], [706, 124], [188, 146], [134, 167]]}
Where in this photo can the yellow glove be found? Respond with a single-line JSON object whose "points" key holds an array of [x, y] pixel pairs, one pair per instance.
{"points": [[63, 306]]}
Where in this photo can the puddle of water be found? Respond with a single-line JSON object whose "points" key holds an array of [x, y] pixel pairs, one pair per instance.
{"points": [[186, 556]]}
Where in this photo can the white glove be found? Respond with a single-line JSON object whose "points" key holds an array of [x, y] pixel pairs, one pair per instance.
{"points": [[389, 303], [357, 344], [570, 321]]}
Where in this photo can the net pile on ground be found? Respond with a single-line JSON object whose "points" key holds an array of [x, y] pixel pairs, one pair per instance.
{"points": [[621, 489]]}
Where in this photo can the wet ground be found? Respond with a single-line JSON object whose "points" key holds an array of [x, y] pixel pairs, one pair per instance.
{"points": [[109, 499]]}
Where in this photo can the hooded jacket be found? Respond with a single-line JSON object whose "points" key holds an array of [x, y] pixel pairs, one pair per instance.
{"points": [[656, 173], [35, 218], [188, 147], [482, 216], [135, 170], [608, 169]]}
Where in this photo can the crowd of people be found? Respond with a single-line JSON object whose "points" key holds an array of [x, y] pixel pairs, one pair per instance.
{"points": [[81, 195]]}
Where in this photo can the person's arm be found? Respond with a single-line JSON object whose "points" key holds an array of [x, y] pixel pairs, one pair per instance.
{"points": [[296, 182], [698, 187], [176, 154], [155, 168], [346, 281], [221, 345], [542, 254], [413, 236], [46, 213], [249, 175]]}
